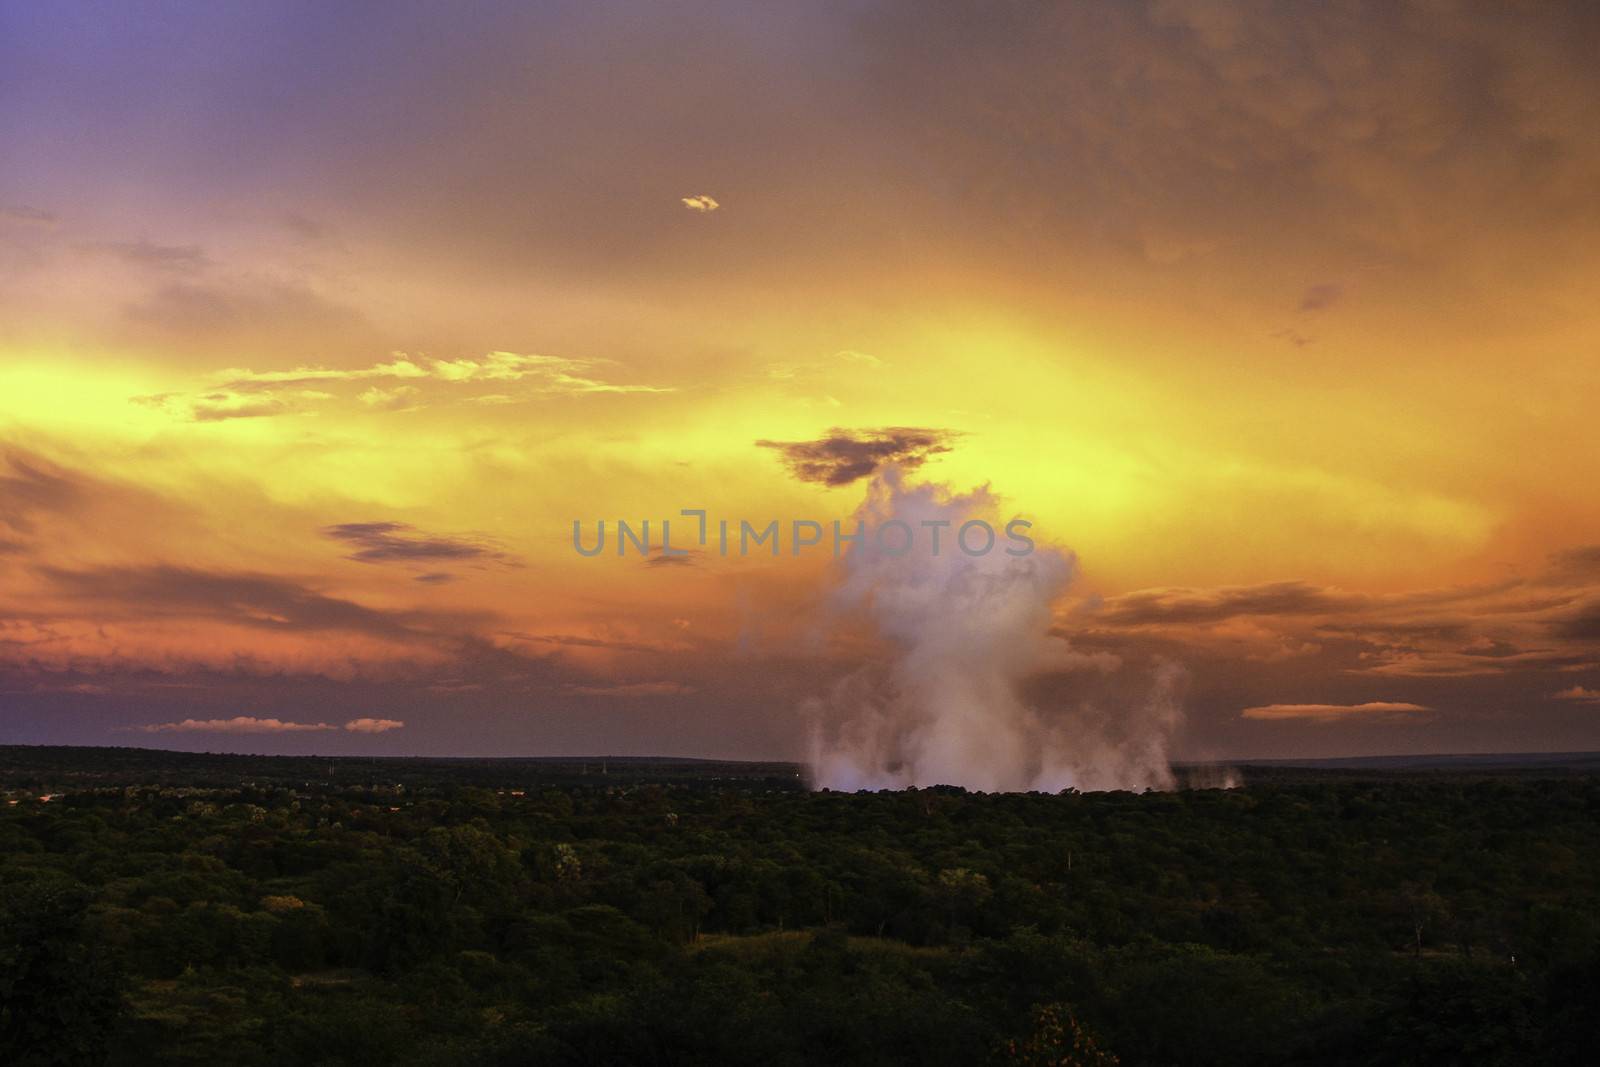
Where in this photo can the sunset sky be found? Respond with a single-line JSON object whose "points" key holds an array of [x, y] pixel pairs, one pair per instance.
{"points": [[320, 324]]}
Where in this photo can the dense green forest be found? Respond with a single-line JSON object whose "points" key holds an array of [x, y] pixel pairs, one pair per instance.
{"points": [[161, 908]]}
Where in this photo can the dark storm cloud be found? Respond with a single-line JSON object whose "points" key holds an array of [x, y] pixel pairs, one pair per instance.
{"points": [[1256, 118], [186, 308], [1468, 663], [52, 511], [256, 600], [1164, 606], [426, 646], [1397, 630], [179, 259], [845, 456], [1051, 130], [28, 216], [29, 485], [307, 229], [576, 641], [243, 316], [1321, 297], [1582, 624], [1472, 652], [398, 542], [1426, 610], [1579, 561]]}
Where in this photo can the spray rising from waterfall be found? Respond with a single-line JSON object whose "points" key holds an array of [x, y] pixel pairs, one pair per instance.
{"points": [[967, 637]]}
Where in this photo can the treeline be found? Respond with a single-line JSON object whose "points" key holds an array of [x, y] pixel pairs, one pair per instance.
{"points": [[48, 768], [1401, 921]]}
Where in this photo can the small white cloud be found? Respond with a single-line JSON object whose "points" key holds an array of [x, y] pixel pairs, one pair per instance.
{"points": [[399, 367], [239, 724], [221, 404], [702, 203], [850, 355], [389, 399], [243, 393], [372, 726]]}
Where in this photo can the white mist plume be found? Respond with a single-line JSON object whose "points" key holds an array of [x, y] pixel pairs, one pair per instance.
{"points": [[967, 634]]}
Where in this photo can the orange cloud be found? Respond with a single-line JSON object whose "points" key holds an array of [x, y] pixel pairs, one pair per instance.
{"points": [[1330, 712]]}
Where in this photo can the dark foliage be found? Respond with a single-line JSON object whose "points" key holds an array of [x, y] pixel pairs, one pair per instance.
{"points": [[434, 912]]}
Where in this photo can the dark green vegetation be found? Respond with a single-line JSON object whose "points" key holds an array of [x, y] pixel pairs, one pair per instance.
{"points": [[172, 908]]}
